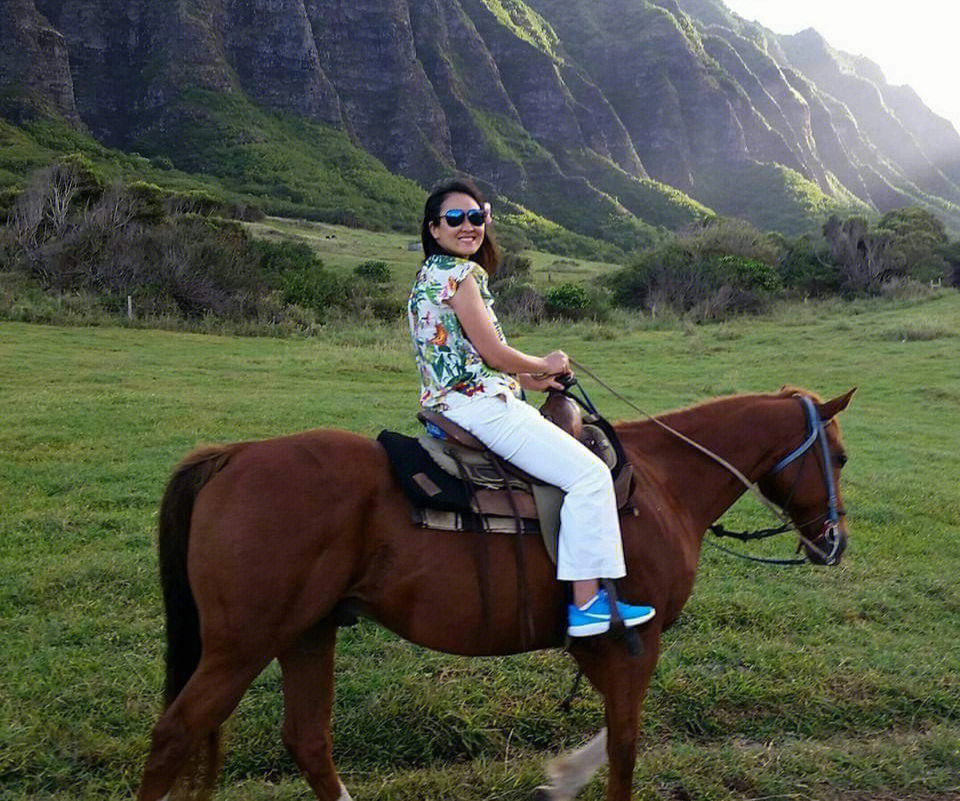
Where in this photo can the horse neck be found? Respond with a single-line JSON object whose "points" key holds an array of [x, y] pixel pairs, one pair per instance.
{"points": [[747, 431]]}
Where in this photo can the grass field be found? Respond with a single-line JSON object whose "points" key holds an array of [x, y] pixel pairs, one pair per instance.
{"points": [[776, 684]]}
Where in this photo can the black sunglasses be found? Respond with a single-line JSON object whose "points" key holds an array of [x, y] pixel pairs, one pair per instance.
{"points": [[455, 217]]}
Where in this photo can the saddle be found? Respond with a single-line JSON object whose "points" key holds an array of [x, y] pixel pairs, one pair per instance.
{"points": [[454, 482]]}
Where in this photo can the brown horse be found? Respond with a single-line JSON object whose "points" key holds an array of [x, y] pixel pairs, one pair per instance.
{"points": [[262, 542]]}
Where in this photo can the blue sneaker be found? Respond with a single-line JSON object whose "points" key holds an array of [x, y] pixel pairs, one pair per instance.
{"points": [[595, 619]]}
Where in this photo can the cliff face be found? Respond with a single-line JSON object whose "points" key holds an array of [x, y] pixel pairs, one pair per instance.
{"points": [[34, 64], [859, 85], [585, 112]]}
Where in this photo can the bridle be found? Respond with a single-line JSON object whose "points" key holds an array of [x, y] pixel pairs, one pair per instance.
{"points": [[830, 535], [816, 432]]}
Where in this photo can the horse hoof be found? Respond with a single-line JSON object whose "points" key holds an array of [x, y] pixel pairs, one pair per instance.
{"points": [[542, 793]]}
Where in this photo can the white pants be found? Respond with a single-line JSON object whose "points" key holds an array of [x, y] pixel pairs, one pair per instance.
{"points": [[590, 546]]}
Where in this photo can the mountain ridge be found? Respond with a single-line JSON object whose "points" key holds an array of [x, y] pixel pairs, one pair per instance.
{"points": [[613, 118]]}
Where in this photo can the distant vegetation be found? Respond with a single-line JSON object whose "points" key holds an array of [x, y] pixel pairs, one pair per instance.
{"points": [[774, 197], [290, 166], [231, 149], [170, 255], [727, 266], [79, 246]]}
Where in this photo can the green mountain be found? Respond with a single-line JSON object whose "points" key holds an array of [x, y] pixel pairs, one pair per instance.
{"points": [[610, 119]]}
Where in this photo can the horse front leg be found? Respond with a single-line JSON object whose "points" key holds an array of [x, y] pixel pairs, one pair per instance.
{"points": [[307, 668], [622, 680]]}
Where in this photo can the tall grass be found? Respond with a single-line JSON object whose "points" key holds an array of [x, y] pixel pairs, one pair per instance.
{"points": [[801, 684]]}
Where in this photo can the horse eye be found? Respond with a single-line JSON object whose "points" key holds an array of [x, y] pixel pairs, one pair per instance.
{"points": [[841, 459]]}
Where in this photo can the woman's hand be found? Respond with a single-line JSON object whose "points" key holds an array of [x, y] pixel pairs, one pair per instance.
{"points": [[538, 382], [556, 363]]}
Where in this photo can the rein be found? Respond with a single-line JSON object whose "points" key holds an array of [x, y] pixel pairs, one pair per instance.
{"points": [[816, 433]]}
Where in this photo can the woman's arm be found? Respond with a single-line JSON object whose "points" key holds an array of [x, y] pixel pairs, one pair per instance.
{"points": [[468, 305]]}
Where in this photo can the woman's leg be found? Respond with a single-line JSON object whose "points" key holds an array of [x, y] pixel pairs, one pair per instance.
{"points": [[590, 546]]}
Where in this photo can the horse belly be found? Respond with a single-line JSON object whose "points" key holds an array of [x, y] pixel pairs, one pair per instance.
{"points": [[463, 592]]}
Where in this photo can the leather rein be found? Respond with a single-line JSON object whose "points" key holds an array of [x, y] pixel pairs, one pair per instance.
{"points": [[816, 433]]}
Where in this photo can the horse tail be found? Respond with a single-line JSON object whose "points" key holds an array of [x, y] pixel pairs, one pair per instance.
{"points": [[182, 618]]}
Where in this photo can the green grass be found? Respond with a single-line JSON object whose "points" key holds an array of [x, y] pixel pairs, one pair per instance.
{"points": [[789, 684]]}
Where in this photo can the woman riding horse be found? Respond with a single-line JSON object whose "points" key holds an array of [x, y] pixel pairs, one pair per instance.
{"points": [[470, 374], [263, 545]]}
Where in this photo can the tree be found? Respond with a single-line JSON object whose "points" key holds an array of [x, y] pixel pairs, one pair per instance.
{"points": [[919, 239], [906, 243]]}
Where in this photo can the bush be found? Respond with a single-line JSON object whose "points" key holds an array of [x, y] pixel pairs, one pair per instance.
{"points": [[174, 259], [371, 301], [746, 274], [704, 286], [520, 300], [277, 258], [375, 271], [513, 265], [906, 243], [951, 255], [567, 300], [804, 269], [315, 288], [298, 273], [726, 236]]}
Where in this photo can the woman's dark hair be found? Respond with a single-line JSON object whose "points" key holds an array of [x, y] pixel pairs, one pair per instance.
{"points": [[488, 256]]}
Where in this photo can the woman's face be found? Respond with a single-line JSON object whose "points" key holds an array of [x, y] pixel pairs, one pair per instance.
{"points": [[463, 240]]}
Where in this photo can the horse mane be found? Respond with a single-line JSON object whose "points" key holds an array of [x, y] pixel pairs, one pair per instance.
{"points": [[786, 391], [790, 391]]}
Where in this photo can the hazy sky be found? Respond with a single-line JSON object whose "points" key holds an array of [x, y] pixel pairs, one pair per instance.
{"points": [[916, 42]]}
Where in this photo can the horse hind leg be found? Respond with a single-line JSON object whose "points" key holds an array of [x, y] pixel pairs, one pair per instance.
{"points": [[184, 755], [307, 668]]}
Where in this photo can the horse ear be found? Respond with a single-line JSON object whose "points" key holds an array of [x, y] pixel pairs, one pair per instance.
{"points": [[833, 407]]}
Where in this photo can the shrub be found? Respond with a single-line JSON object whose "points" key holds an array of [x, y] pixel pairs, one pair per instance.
{"points": [[296, 270], [150, 201], [277, 258], [369, 294], [370, 301], [376, 271], [314, 288], [906, 243], [690, 276], [951, 255], [805, 269], [567, 300], [513, 265], [726, 236], [520, 300], [747, 274]]}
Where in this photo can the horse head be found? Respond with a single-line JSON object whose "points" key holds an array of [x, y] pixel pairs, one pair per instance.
{"points": [[805, 482]]}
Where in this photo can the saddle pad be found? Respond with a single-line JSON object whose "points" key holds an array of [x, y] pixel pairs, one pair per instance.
{"points": [[424, 483], [490, 524]]}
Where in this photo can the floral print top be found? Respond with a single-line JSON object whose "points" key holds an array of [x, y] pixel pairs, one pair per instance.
{"points": [[451, 369]]}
